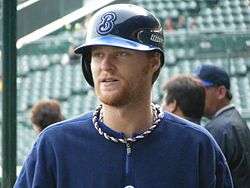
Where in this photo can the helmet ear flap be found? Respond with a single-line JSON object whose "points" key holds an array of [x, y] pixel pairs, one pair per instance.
{"points": [[86, 69]]}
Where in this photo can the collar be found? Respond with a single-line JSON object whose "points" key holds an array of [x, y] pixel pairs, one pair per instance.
{"points": [[227, 107]]}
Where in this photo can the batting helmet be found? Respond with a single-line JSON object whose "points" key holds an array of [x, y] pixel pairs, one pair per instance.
{"points": [[121, 25]]}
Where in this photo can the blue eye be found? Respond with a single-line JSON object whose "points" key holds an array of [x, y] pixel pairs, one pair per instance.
{"points": [[122, 53], [97, 54]]}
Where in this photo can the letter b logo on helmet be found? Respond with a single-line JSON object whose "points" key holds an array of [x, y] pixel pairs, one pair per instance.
{"points": [[107, 23], [121, 25]]}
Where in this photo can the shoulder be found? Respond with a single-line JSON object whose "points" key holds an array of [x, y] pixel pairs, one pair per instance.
{"points": [[78, 124], [193, 135], [226, 121], [187, 134], [173, 120], [83, 119], [230, 116], [185, 128]]}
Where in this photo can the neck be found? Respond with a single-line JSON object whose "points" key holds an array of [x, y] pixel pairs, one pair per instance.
{"points": [[222, 104], [128, 119], [178, 112]]}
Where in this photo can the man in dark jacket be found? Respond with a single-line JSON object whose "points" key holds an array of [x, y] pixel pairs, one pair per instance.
{"points": [[226, 125]]}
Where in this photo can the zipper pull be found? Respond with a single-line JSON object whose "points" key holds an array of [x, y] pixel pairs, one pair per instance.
{"points": [[128, 148]]}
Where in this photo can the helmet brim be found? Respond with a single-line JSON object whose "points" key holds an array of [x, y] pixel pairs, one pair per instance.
{"points": [[116, 42]]}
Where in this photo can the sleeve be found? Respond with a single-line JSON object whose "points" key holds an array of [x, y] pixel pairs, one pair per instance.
{"points": [[213, 168], [227, 138], [224, 178], [38, 170]]}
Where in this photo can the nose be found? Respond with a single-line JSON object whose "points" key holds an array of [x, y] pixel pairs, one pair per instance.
{"points": [[107, 63]]}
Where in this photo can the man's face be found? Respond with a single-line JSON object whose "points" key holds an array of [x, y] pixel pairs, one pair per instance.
{"points": [[211, 102], [121, 75]]}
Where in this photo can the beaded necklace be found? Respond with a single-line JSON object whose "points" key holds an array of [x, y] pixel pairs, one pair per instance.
{"points": [[98, 117]]}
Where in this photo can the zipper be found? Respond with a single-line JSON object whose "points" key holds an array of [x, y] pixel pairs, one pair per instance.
{"points": [[129, 180], [128, 158]]}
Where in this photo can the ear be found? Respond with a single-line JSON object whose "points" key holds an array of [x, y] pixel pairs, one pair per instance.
{"points": [[156, 61], [37, 129], [171, 107], [221, 92]]}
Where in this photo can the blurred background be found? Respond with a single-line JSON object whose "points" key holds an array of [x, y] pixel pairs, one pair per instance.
{"points": [[196, 32]]}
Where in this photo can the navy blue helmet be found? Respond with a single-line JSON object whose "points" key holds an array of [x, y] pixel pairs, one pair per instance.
{"points": [[121, 25]]}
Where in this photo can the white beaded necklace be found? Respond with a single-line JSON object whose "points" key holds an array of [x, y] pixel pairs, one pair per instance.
{"points": [[98, 117]]}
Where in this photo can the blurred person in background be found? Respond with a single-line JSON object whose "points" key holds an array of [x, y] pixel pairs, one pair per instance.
{"points": [[169, 25], [127, 141], [185, 97], [181, 22], [226, 125], [45, 113]]}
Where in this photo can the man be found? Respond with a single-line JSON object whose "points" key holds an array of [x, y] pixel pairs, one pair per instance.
{"points": [[44, 113], [127, 141], [226, 125], [185, 97]]}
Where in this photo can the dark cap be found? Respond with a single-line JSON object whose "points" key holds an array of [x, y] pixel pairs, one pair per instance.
{"points": [[211, 75]]}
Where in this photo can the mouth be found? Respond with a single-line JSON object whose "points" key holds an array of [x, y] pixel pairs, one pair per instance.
{"points": [[108, 80], [109, 84]]}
